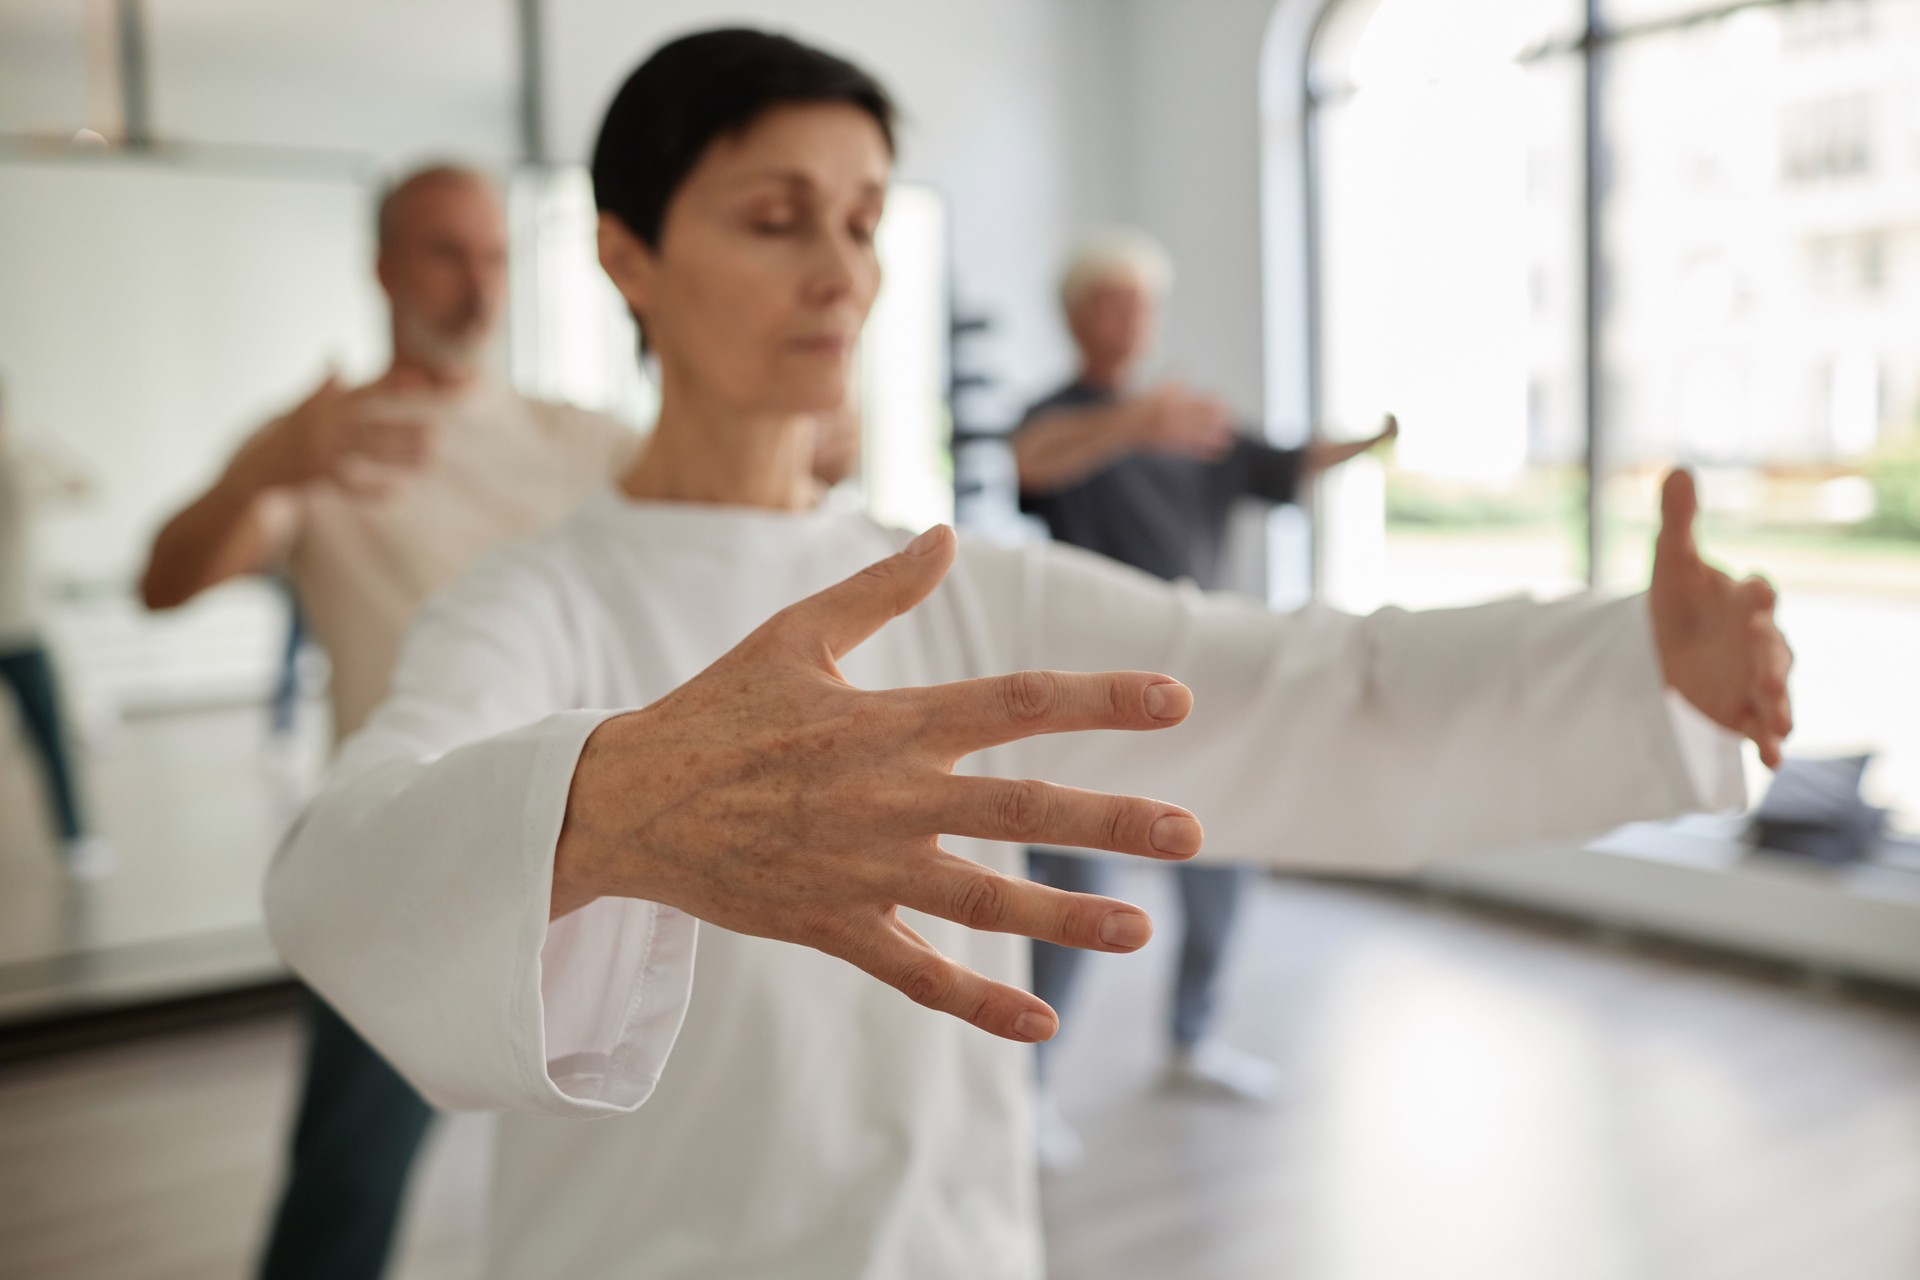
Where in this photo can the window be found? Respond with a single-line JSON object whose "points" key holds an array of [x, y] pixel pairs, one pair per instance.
{"points": [[1569, 260]]}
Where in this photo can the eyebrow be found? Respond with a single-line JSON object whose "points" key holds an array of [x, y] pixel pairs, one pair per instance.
{"points": [[800, 178]]}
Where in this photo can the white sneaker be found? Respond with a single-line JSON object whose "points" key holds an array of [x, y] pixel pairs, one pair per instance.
{"points": [[1217, 1069], [1058, 1146], [90, 858]]}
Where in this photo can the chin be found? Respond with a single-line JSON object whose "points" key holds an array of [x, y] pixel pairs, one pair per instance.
{"points": [[815, 394]]}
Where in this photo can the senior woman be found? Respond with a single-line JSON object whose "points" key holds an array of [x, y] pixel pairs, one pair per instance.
{"points": [[668, 809]]}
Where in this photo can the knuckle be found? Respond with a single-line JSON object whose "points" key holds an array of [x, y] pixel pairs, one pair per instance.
{"points": [[980, 900], [828, 931], [927, 982], [882, 578], [1029, 696], [1021, 810]]}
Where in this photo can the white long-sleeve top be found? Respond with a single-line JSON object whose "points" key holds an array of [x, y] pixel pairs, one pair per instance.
{"points": [[684, 1101]]}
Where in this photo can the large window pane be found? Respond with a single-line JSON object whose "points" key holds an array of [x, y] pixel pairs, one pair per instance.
{"points": [[1450, 272], [1761, 239]]}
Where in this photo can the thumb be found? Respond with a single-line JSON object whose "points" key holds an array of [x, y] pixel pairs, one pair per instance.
{"points": [[1678, 504], [329, 388], [841, 617]]}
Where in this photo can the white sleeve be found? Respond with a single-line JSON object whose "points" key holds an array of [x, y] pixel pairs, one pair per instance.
{"points": [[413, 892], [1375, 744]]}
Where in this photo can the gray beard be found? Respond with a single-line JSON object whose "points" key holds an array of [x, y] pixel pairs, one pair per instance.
{"points": [[442, 350]]}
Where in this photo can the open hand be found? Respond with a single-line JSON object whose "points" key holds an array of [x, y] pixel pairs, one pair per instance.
{"points": [[1719, 647], [1172, 419], [1322, 455], [354, 437], [770, 797]]}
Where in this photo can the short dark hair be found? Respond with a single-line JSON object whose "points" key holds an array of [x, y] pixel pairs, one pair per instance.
{"points": [[702, 87]]}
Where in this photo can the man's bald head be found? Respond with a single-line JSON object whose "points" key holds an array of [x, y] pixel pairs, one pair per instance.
{"points": [[443, 263], [404, 197]]}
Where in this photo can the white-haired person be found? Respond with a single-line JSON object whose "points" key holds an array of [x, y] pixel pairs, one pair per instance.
{"points": [[690, 836], [1148, 477]]}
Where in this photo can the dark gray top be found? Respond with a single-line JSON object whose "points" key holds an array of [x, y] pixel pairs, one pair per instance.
{"points": [[1159, 512]]}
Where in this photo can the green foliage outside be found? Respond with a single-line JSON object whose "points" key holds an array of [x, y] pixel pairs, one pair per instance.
{"points": [[1541, 498], [1894, 474]]}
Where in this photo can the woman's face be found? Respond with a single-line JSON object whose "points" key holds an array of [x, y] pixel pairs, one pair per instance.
{"points": [[765, 269]]}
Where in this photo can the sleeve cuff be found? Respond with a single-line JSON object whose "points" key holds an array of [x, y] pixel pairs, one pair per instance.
{"points": [[1706, 755], [1710, 754], [608, 984]]}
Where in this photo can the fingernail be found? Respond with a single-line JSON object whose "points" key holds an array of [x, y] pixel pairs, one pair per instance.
{"points": [[1177, 834], [1167, 700], [1033, 1026], [1125, 929], [925, 542]]}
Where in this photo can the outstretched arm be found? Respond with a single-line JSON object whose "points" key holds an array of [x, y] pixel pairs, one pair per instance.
{"points": [[1063, 447], [1381, 743], [246, 519]]}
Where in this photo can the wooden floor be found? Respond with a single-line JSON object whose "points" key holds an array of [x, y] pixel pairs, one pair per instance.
{"points": [[192, 803], [1472, 1095]]}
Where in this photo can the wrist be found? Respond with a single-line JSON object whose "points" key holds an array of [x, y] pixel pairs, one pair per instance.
{"points": [[1138, 422], [259, 465], [581, 855]]}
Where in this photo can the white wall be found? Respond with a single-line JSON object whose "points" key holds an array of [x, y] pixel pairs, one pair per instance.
{"points": [[1013, 109], [396, 81], [1193, 80], [1005, 113], [43, 60], [1212, 169]]}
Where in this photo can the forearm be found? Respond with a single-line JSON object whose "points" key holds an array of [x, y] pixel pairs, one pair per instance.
{"points": [[1064, 448], [1368, 744], [414, 895], [220, 535]]}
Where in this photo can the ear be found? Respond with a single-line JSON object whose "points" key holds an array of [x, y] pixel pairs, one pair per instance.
{"points": [[627, 262], [383, 272]]}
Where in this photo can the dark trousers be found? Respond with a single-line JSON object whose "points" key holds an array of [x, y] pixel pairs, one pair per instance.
{"points": [[1208, 898], [359, 1128], [31, 676]]}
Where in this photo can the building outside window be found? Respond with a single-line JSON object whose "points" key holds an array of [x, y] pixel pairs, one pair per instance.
{"points": [[1572, 245]]}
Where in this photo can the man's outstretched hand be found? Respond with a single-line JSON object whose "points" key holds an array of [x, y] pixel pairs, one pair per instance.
{"points": [[1719, 647], [1323, 455], [770, 797]]}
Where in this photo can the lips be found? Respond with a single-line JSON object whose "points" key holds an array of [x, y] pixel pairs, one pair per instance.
{"points": [[834, 344]]}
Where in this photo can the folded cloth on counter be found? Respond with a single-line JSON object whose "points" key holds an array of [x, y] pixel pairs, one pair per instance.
{"points": [[1814, 810]]}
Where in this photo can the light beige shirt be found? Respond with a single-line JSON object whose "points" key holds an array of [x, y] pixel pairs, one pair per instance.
{"points": [[504, 467]]}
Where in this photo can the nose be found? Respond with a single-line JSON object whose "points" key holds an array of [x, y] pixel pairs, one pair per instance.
{"points": [[837, 269]]}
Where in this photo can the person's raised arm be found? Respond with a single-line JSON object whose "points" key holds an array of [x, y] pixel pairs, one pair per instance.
{"points": [[1274, 474], [1062, 447], [245, 520]]}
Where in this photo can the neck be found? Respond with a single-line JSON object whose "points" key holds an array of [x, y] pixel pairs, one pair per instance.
{"points": [[1101, 377], [707, 452]]}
